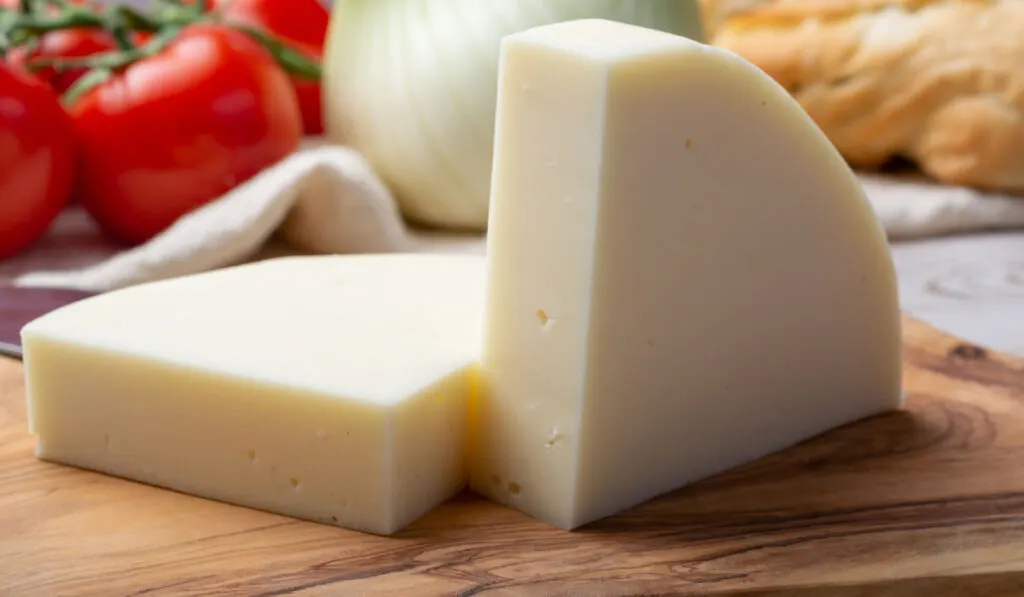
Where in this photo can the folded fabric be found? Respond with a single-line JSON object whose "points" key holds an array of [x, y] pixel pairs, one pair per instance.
{"points": [[327, 199], [910, 207]]}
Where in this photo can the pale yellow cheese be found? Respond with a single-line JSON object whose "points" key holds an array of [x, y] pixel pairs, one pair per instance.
{"points": [[683, 274], [326, 388]]}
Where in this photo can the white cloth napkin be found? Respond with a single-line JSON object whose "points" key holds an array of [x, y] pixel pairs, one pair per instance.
{"points": [[327, 199]]}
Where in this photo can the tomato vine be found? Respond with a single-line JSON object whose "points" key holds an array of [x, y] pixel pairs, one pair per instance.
{"points": [[34, 18]]}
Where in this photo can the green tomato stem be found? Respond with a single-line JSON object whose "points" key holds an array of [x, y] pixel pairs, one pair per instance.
{"points": [[117, 23], [166, 20], [91, 79], [103, 66], [293, 61]]}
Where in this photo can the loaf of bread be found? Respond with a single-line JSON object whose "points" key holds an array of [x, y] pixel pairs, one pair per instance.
{"points": [[937, 82]]}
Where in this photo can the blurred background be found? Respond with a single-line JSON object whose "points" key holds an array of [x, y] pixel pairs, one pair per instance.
{"points": [[383, 141]]}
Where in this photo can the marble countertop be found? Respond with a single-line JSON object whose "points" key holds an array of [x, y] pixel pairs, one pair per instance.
{"points": [[971, 286]]}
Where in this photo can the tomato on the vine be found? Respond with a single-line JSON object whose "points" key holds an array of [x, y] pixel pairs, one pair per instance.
{"points": [[175, 130], [64, 43], [302, 25], [67, 43], [37, 159]]}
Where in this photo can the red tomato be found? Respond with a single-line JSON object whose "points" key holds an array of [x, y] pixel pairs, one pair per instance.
{"points": [[302, 24], [65, 43], [37, 159], [301, 21], [176, 130]]}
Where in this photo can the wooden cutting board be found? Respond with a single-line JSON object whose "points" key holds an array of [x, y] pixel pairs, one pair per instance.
{"points": [[927, 501]]}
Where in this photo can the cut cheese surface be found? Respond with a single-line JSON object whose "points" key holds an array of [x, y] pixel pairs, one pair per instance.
{"points": [[326, 388], [684, 275]]}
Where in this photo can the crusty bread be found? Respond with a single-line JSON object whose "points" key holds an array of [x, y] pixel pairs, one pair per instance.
{"points": [[938, 82]]}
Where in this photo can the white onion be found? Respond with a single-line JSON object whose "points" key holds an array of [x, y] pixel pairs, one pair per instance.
{"points": [[412, 84]]}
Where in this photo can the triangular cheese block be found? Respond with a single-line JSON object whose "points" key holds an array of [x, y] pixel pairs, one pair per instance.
{"points": [[684, 274]]}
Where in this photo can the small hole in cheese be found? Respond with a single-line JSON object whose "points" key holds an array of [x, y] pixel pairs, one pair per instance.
{"points": [[513, 488], [106, 439], [688, 143], [294, 483], [252, 455], [650, 342]]}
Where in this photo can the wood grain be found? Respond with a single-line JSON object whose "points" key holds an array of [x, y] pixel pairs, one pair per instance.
{"points": [[927, 501]]}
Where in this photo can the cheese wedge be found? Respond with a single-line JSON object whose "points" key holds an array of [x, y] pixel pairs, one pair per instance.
{"points": [[332, 389], [684, 275]]}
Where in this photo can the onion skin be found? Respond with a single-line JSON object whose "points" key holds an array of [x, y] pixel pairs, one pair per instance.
{"points": [[412, 84]]}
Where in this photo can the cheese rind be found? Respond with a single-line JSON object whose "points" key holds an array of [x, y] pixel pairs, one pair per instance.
{"points": [[684, 275], [331, 389]]}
